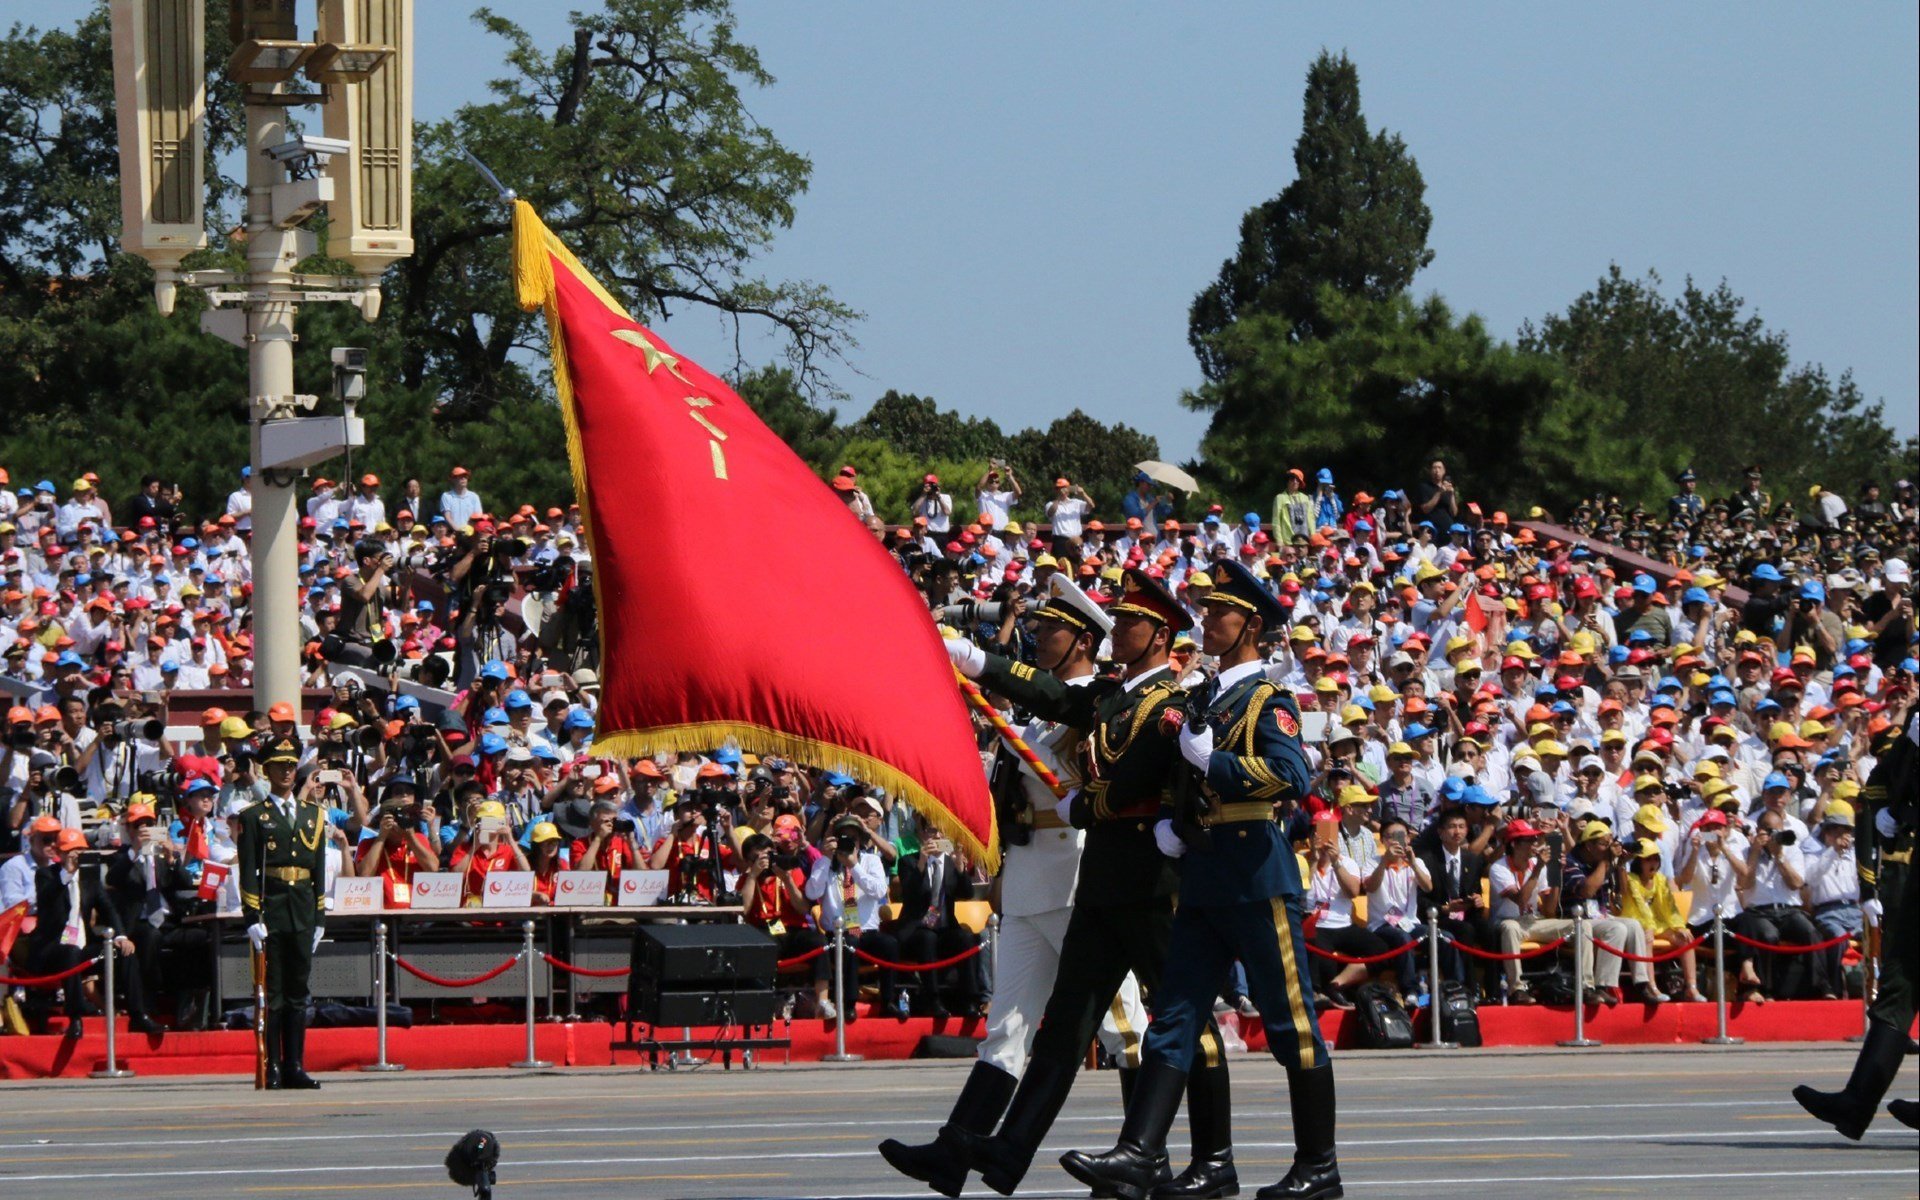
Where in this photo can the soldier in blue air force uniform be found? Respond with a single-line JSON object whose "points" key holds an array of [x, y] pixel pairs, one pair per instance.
{"points": [[1240, 899]]}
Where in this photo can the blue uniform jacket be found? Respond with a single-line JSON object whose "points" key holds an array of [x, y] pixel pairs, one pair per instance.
{"points": [[1257, 757]]}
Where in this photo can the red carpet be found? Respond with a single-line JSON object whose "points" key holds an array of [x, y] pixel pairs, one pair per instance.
{"points": [[590, 1044]]}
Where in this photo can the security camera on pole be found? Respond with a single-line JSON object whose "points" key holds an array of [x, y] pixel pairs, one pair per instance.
{"points": [[358, 67]]}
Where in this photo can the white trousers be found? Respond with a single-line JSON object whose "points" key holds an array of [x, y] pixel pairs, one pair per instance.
{"points": [[1026, 960]]}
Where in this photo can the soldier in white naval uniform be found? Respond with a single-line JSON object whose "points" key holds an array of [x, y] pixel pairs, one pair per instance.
{"points": [[1035, 887]]}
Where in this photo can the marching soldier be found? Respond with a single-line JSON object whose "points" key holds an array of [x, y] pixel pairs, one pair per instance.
{"points": [[1123, 905], [1041, 858], [1240, 899], [1887, 825], [282, 857]]}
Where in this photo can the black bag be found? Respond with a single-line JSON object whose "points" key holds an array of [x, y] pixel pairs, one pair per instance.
{"points": [[1554, 987], [1459, 1019], [1383, 1025]]}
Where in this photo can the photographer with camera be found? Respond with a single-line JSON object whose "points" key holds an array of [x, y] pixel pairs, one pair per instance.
{"points": [[1773, 914], [402, 844], [122, 752], [688, 851], [1393, 889], [1593, 876], [934, 505], [850, 886], [772, 900], [360, 633], [609, 844], [485, 845], [481, 638]]}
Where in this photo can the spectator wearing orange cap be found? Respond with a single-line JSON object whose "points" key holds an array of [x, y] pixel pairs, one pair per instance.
{"points": [[365, 505], [72, 915], [146, 881], [459, 504], [17, 873], [688, 850], [996, 494], [1067, 512]]}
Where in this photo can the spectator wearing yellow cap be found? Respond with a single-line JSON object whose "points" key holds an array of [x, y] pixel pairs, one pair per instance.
{"points": [[1833, 889]]}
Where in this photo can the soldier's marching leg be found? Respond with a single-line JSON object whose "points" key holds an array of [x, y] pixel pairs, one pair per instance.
{"points": [[1852, 1109], [940, 1164], [1196, 968], [1274, 952]]}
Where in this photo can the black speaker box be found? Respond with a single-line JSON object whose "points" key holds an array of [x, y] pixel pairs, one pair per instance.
{"points": [[703, 1006], [680, 955]]}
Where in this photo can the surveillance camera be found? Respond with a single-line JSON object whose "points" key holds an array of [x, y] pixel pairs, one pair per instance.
{"points": [[307, 145], [349, 358]]}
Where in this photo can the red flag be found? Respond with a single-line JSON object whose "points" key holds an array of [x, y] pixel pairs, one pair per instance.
{"points": [[740, 601]]}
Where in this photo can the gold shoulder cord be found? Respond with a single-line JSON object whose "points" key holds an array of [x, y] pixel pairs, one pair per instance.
{"points": [[1243, 729], [1142, 712], [319, 831]]}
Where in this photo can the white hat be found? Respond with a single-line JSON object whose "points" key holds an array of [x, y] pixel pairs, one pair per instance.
{"points": [[1592, 763], [1895, 571]]}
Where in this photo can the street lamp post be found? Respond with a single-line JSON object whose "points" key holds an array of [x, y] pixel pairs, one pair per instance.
{"points": [[360, 60]]}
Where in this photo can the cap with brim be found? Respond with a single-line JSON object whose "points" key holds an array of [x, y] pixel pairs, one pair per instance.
{"points": [[1594, 833], [1236, 587], [1145, 596], [281, 750], [1519, 829], [1353, 795], [1650, 816], [1840, 813], [544, 831], [1071, 607]]}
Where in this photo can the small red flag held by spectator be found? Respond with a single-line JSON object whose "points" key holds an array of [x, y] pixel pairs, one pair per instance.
{"points": [[213, 876], [10, 922], [823, 653]]}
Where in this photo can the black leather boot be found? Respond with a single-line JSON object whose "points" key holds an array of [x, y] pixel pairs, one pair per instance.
{"points": [[939, 1164], [1316, 1172], [1003, 1159], [1907, 1112], [293, 1068], [275, 1049], [1209, 1111], [1851, 1111], [1138, 1164]]}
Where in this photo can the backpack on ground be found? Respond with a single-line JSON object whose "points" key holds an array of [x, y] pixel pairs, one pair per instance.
{"points": [[1382, 1024], [1459, 1018]]}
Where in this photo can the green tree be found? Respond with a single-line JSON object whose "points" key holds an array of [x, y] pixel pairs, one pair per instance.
{"points": [[918, 426], [1098, 457], [1395, 382], [1711, 386], [1354, 218]]}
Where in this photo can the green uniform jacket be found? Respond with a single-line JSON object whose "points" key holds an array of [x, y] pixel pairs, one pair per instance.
{"points": [[279, 896], [1128, 768]]}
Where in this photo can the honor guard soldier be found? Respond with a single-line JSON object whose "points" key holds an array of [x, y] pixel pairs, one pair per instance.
{"points": [[1240, 899], [282, 858], [1040, 860], [1883, 854], [1123, 905]]}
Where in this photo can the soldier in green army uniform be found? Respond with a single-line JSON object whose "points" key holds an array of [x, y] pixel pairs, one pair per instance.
{"points": [[1883, 853], [1123, 905], [282, 859]]}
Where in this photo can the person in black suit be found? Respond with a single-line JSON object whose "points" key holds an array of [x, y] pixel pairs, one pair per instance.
{"points": [[931, 883], [1458, 876], [63, 894], [152, 502], [150, 887]]}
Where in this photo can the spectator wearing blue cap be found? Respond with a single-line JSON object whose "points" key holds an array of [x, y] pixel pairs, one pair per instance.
{"points": [[1769, 603], [1819, 620], [1646, 613], [1327, 507]]}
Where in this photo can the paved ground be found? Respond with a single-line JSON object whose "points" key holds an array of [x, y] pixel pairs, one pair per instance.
{"points": [[1677, 1122]]}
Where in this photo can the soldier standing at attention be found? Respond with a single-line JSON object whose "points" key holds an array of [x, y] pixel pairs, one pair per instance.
{"points": [[1123, 904], [1240, 899], [1040, 864], [282, 848]]}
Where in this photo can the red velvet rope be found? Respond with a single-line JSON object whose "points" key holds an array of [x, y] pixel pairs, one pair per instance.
{"points": [[799, 960], [1664, 956], [1362, 962], [1786, 948], [438, 981], [1494, 956], [41, 981], [963, 956], [591, 972]]}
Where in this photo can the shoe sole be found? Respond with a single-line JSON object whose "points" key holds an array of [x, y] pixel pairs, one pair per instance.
{"points": [[942, 1185]]}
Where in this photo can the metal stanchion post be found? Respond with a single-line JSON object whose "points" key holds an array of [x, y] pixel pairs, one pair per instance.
{"points": [[380, 1062], [113, 1069], [993, 951], [1433, 1041], [1720, 1037], [840, 999], [532, 1061], [1581, 936]]}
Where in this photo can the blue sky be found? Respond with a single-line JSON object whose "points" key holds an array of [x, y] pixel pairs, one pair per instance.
{"points": [[1024, 198]]}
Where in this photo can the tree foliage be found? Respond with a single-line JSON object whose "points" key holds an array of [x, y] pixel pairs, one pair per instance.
{"points": [[1354, 218], [1395, 383], [1717, 389]]}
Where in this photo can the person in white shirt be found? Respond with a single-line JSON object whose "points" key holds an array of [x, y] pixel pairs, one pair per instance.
{"points": [[995, 500], [240, 503], [1393, 898], [851, 873], [1067, 512], [933, 504], [1773, 913], [366, 506], [1833, 890], [1332, 884], [16, 874]]}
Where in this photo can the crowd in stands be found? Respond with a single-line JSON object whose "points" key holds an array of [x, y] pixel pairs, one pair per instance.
{"points": [[1502, 724]]}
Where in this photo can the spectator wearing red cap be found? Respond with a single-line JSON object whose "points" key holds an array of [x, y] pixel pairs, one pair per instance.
{"points": [[934, 506], [995, 495], [1068, 511], [1333, 881], [459, 504]]}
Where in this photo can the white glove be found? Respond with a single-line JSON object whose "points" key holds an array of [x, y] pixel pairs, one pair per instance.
{"points": [[1196, 746], [970, 658], [1885, 825], [1063, 808], [1168, 841], [1871, 910], [257, 934], [319, 935]]}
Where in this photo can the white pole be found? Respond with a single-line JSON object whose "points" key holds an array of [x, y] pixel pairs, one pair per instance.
{"points": [[1720, 1037], [840, 998], [112, 1070], [380, 1062], [532, 1061], [1580, 1040], [1433, 1041]]}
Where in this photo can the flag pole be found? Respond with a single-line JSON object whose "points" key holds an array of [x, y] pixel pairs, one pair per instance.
{"points": [[1010, 735]]}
